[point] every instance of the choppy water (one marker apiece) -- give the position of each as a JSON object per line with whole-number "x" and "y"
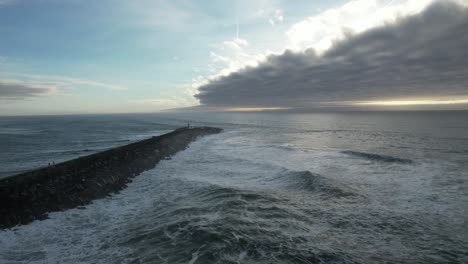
{"x": 273, "y": 188}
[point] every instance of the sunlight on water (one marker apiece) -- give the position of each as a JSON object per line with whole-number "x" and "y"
{"x": 414, "y": 102}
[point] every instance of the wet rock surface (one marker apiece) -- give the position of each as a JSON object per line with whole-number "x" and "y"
{"x": 30, "y": 196}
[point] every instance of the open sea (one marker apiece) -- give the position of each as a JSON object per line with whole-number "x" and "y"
{"x": 362, "y": 187}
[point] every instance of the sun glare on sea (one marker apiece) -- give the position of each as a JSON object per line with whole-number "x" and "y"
{"x": 413, "y": 102}
{"x": 254, "y": 109}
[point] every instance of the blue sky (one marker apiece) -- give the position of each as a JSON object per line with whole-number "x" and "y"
{"x": 151, "y": 48}
{"x": 141, "y": 56}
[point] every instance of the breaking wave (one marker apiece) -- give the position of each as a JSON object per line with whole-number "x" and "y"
{"x": 228, "y": 225}
{"x": 316, "y": 183}
{"x": 377, "y": 157}
{"x": 271, "y": 194}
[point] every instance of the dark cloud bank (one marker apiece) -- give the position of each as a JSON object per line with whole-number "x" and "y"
{"x": 17, "y": 91}
{"x": 425, "y": 55}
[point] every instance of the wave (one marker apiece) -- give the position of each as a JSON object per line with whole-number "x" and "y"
{"x": 227, "y": 225}
{"x": 316, "y": 183}
{"x": 19, "y": 131}
{"x": 330, "y": 130}
{"x": 377, "y": 157}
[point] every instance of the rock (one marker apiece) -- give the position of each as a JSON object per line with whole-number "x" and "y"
{"x": 30, "y": 196}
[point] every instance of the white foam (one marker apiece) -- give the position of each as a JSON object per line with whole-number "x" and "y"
{"x": 237, "y": 159}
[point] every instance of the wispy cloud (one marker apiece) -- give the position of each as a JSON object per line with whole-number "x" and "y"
{"x": 17, "y": 90}
{"x": 152, "y": 104}
{"x": 173, "y": 16}
{"x": 236, "y": 44}
{"x": 156, "y": 102}
{"x": 18, "y": 86}
{"x": 277, "y": 17}
{"x": 61, "y": 81}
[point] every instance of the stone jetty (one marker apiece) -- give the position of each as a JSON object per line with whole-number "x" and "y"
{"x": 31, "y": 195}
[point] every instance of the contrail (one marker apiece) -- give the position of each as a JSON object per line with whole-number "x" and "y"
{"x": 237, "y": 27}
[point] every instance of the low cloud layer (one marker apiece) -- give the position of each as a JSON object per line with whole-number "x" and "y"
{"x": 422, "y": 56}
{"x": 31, "y": 86}
{"x": 14, "y": 90}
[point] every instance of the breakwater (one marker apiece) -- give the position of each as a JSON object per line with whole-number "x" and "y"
{"x": 31, "y": 195}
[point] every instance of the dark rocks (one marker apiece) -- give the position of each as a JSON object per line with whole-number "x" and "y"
{"x": 29, "y": 196}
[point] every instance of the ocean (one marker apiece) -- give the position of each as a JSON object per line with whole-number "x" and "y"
{"x": 359, "y": 187}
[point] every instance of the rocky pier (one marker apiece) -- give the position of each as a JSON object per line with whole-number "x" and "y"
{"x": 31, "y": 195}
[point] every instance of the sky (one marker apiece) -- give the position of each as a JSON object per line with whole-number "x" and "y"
{"x": 114, "y": 56}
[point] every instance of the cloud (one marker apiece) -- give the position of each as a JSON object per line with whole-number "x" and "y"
{"x": 236, "y": 43}
{"x": 63, "y": 81}
{"x": 230, "y": 57}
{"x": 18, "y": 86}
{"x": 320, "y": 31}
{"x": 423, "y": 55}
{"x": 15, "y": 90}
{"x": 276, "y": 17}
{"x": 157, "y": 102}
{"x": 171, "y": 16}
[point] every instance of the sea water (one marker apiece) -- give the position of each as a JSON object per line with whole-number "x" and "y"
{"x": 356, "y": 187}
